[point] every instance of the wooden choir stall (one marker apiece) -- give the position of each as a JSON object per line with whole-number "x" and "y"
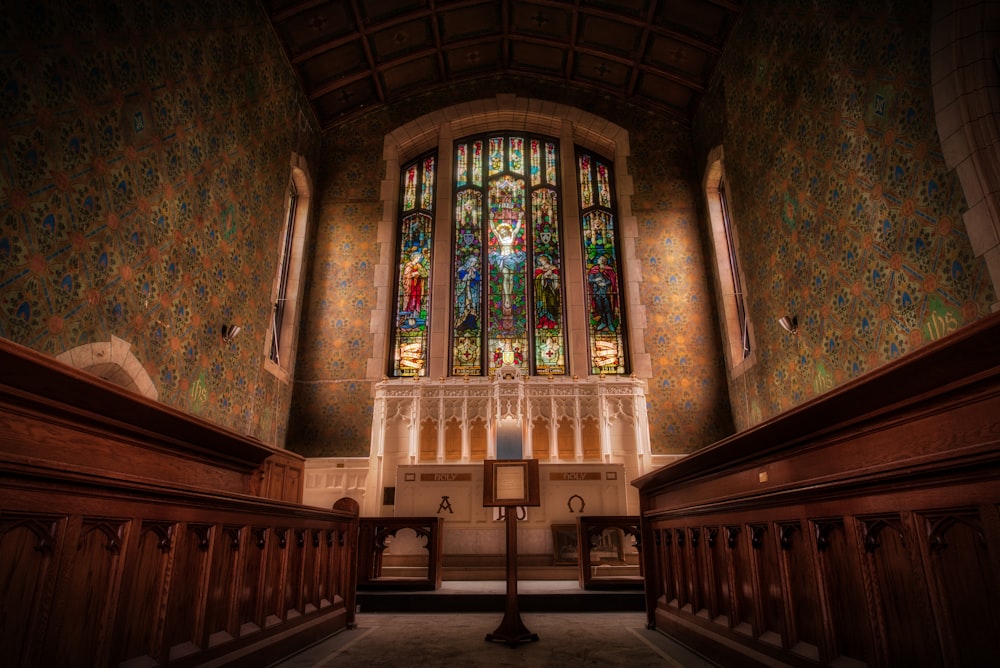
{"x": 132, "y": 534}
{"x": 860, "y": 528}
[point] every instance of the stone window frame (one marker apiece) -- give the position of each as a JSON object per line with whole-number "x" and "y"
{"x": 294, "y": 278}
{"x": 725, "y": 245}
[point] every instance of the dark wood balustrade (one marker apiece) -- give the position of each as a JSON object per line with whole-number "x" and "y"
{"x": 861, "y": 528}
{"x": 134, "y": 535}
{"x": 375, "y": 536}
{"x": 611, "y": 535}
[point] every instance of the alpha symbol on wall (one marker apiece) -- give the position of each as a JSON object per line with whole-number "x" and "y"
{"x": 445, "y": 505}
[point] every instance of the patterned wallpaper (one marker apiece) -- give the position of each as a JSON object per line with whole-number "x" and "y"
{"x": 847, "y": 215}
{"x": 144, "y": 154}
{"x": 331, "y": 411}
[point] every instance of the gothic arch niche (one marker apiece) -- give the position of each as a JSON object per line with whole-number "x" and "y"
{"x": 113, "y": 361}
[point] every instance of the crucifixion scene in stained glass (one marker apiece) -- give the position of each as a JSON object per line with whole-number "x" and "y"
{"x": 507, "y": 257}
{"x": 507, "y": 261}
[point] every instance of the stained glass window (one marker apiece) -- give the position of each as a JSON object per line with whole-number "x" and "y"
{"x": 468, "y": 282}
{"x": 477, "y": 163}
{"x": 507, "y": 259}
{"x": 461, "y": 165}
{"x": 508, "y": 264}
{"x": 507, "y": 254}
{"x": 410, "y": 336}
{"x": 410, "y": 188}
{"x": 550, "y": 163}
{"x": 536, "y": 162}
{"x": 602, "y": 264}
{"x": 427, "y": 185}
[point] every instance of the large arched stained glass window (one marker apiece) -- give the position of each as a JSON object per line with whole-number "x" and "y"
{"x": 507, "y": 257}
{"x": 410, "y": 340}
{"x": 606, "y": 327}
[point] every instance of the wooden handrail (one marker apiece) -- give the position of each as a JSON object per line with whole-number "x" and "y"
{"x": 859, "y": 527}
{"x": 132, "y": 534}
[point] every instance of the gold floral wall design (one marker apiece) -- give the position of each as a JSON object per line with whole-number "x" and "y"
{"x": 846, "y": 212}
{"x": 144, "y": 152}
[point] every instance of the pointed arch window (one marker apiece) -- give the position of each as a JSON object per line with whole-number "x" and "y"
{"x": 602, "y": 257}
{"x": 410, "y": 331}
{"x": 507, "y": 261}
{"x": 288, "y": 286}
{"x": 737, "y": 325}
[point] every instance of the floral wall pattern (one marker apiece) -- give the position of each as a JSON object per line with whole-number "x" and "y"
{"x": 846, "y": 212}
{"x": 144, "y": 155}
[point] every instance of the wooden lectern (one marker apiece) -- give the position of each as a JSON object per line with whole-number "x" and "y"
{"x": 510, "y": 483}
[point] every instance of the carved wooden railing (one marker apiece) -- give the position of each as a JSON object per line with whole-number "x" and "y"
{"x": 111, "y": 575}
{"x": 375, "y": 536}
{"x": 132, "y": 534}
{"x": 861, "y": 528}
{"x": 614, "y": 533}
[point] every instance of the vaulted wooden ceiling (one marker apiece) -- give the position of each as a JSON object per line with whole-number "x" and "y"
{"x": 351, "y": 55}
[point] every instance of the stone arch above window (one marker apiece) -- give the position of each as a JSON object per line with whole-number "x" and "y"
{"x": 113, "y": 361}
{"x": 437, "y": 130}
{"x": 965, "y": 75}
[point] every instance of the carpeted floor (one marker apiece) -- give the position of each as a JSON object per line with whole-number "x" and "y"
{"x": 459, "y": 639}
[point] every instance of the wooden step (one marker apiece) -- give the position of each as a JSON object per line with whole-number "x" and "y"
{"x": 490, "y": 596}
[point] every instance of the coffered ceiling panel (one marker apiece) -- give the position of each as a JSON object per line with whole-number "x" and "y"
{"x": 471, "y": 59}
{"x": 397, "y": 41}
{"x": 351, "y": 55}
{"x": 538, "y": 57}
{"x": 546, "y": 21}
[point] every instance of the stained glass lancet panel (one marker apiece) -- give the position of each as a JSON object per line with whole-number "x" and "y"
{"x": 507, "y": 244}
{"x": 496, "y": 155}
{"x": 477, "y": 163}
{"x": 536, "y": 162}
{"x": 606, "y": 331}
{"x": 550, "y": 163}
{"x": 410, "y": 188}
{"x": 517, "y": 155}
{"x": 427, "y": 181}
{"x": 467, "y": 357}
{"x": 586, "y": 176}
{"x": 549, "y": 332}
{"x": 461, "y": 165}
{"x": 410, "y": 332}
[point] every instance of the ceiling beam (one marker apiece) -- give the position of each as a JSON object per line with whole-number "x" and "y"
{"x": 369, "y": 56}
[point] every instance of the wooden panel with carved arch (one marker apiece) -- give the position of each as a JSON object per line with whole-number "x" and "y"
{"x": 85, "y": 604}
{"x": 28, "y": 558}
{"x": 963, "y": 577}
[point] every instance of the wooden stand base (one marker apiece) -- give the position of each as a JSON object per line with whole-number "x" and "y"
{"x": 511, "y": 630}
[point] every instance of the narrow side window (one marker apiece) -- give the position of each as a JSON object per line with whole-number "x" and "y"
{"x": 736, "y": 325}
{"x": 286, "y": 292}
